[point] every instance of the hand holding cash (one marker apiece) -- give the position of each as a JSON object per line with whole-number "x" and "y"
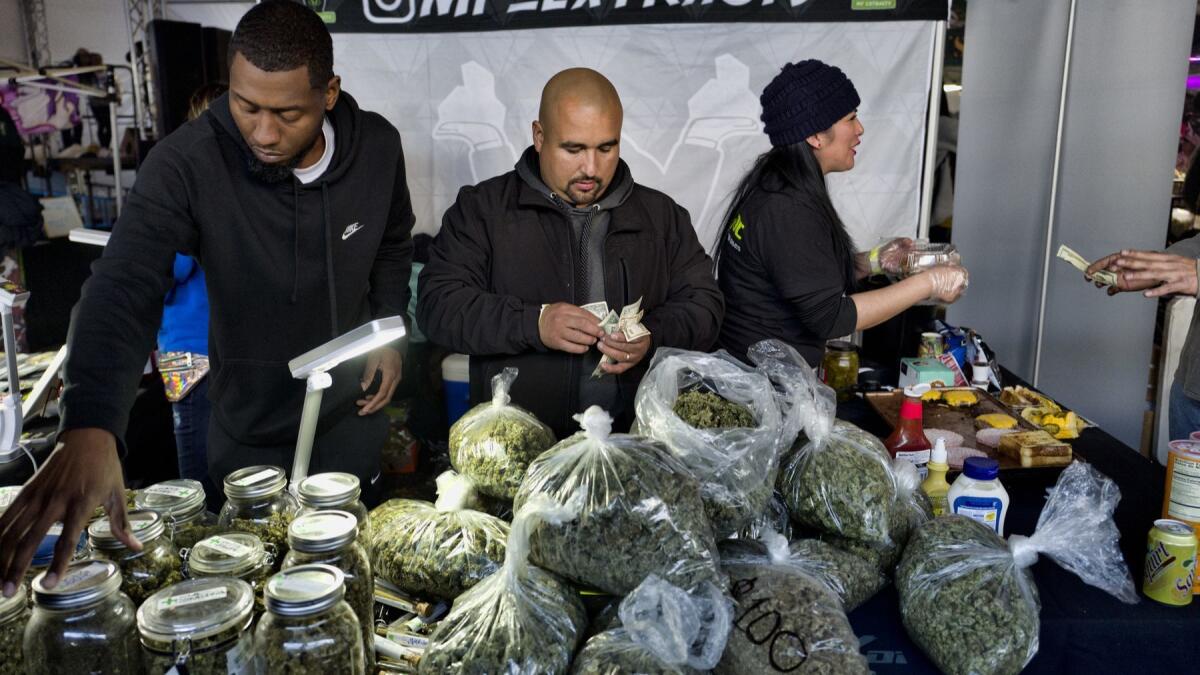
{"x": 628, "y": 323}
{"x": 1103, "y": 277}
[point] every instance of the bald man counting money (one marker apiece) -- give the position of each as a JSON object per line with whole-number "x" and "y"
{"x": 521, "y": 255}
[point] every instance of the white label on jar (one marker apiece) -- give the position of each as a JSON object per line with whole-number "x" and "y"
{"x": 227, "y": 546}
{"x": 918, "y": 458}
{"x": 1184, "y": 500}
{"x": 256, "y": 477}
{"x": 193, "y": 598}
{"x": 326, "y": 484}
{"x": 238, "y": 660}
{"x": 170, "y": 491}
{"x": 409, "y": 640}
{"x": 85, "y": 573}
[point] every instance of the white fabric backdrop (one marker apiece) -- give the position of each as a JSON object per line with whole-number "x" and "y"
{"x": 463, "y": 103}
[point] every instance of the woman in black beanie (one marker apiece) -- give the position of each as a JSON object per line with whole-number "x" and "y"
{"x": 785, "y": 262}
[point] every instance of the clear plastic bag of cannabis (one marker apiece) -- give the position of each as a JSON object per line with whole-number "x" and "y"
{"x": 786, "y": 619}
{"x": 721, "y": 419}
{"x": 957, "y": 571}
{"x": 640, "y": 511}
{"x": 663, "y": 629}
{"x": 437, "y": 549}
{"x": 911, "y": 509}
{"x": 521, "y": 619}
{"x": 494, "y": 442}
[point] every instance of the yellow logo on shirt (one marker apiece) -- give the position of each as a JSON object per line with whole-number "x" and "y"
{"x": 737, "y": 227}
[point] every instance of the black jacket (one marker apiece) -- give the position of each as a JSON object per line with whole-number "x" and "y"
{"x": 285, "y": 272}
{"x": 504, "y": 250}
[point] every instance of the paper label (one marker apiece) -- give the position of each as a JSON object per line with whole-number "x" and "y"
{"x": 919, "y": 459}
{"x": 193, "y": 598}
{"x": 1184, "y": 500}
{"x": 239, "y": 659}
{"x": 984, "y": 509}
{"x": 227, "y": 546}
{"x": 7, "y": 495}
{"x": 409, "y": 640}
{"x": 255, "y": 477}
{"x": 170, "y": 491}
{"x": 83, "y": 574}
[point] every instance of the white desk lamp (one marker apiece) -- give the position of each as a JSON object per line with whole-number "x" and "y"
{"x": 314, "y": 366}
{"x": 11, "y": 416}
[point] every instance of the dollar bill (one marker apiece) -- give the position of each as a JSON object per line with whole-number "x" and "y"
{"x": 628, "y": 322}
{"x": 599, "y": 309}
{"x": 1106, "y": 277}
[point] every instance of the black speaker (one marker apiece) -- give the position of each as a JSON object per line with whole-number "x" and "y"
{"x": 176, "y": 70}
{"x": 216, "y": 49}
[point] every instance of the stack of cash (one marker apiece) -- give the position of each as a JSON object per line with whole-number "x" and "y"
{"x": 1106, "y": 277}
{"x": 628, "y": 322}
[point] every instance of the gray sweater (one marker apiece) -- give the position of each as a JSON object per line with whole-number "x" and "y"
{"x": 1188, "y": 373}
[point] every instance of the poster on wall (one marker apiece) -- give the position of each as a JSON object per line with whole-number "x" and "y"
{"x": 464, "y": 101}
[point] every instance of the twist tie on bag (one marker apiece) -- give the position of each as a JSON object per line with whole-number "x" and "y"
{"x": 455, "y": 492}
{"x": 777, "y": 547}
{"x": 678, "y": 628}
{"x": 596, "y": 423}
{"x": 1024, "y": 551}
{"x": 501, "y": 383}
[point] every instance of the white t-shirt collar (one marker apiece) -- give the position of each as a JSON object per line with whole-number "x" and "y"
{"x": 315, "y": 171}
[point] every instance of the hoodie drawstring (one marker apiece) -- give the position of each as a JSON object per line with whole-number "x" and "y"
{"x": 295, "y": 239}
{"x": 333, "y": 308}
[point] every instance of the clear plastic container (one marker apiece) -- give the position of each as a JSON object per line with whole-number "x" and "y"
{"x": 146, "y": 571}
{"x": 329, "y": 537}
{"x": 335, "y": 491}
{"x": 308, "y": 627}
{"x": 14, "y": 614}
{"x": 201, "y": 625}
{"x": 978, "y": 494}
{"x": 85, "y": 624}
{"x": 257, "y": 503}
{"x": 181, "y": 503}
{"x": 236, "y": 554}
{"x": 925, "y": 254}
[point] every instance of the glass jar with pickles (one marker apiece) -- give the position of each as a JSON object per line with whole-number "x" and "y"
{"x": 85, "y": 624}
{"x": 308, "y": 627}
{"x": 257, "y": 503}
{"x": 235, "y": 554}
{"x": 181, "y": 503}
{"x": 839, "y": 368}
{"x": 200, "y": 627}
{"x": 146, "y": 571}
{"x": 14, "y": 614}
{"x": 329, "y": 537}
{"x": 338, "y": 492}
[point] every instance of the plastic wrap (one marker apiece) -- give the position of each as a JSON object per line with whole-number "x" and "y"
{"x": 494, "y": 442}
{"x": 774, "y": 518}
{"x": 519, "y": 620}
{"x": 968, "y": 598}
{"x": 910, "y": 510}
{"x": 735, "y": 464}
{"x": 437, "y": 549}
{"x": 786, "y": 620}
{"x": 640, "y": 511}
{"x": 663, "y": 629}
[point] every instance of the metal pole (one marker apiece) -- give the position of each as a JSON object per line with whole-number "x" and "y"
{"x": 115, "y": 144}
{"x": 1053, "y": 217}
{"x": 139, "y": 114}
{"x": 314, "y": 390}
{"x": 931, "y": 128}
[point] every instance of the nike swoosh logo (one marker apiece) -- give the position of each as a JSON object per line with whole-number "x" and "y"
{"x": 350, "y": 230}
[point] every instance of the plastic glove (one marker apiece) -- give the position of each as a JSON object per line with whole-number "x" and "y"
{"x": 946, "y": 282}
{"x": 889, "y": 256}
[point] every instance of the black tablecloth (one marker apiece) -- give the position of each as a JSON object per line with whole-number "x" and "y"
{"x": 1083, "y": 629}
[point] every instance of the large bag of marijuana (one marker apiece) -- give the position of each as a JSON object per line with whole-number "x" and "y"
{"x": 911, "y": 509}
{"x": 662, "y": 629}
{"x": 519, "y": 620}
{"x": 494, "y": 442}
{"x": 957, "y": 570}
{"x": 437, "y": 549}
{"x": 640, "y": 511}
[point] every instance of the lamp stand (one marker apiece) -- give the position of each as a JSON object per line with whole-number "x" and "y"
{"x": 11, "y": 419}
{"x": 314, "y": 390}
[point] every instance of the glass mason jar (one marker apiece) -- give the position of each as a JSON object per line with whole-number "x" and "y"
{"x": 14, "y": 614}
{"x": 85, "y": 624}
{"x": 200, "y": 625}
{"x": 335, "y": 491}
{"x": 237, "y": 555}
{"x": 156, "y": 566}
{"x": 839, "y": 368}
{"x": 308, "y": 627}
{"x": 329, "y": 537}
{"x": 257, "y": 503}
{"x": 181, "y": 503}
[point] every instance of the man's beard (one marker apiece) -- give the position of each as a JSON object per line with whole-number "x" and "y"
{"x": 278, "y": 172}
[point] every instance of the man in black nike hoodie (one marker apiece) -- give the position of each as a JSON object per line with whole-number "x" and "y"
{"x": 295, "y": 202}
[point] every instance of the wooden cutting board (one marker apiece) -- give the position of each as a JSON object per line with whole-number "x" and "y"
{"x": 959, "y": 420}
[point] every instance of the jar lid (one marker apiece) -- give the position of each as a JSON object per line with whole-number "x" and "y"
{"x": 195, "y": 609}
{"x": 305, "y": 590}
{"x": 233, "y": 554}
{"x": 329, "y": 490}
{"x": 172, "y": 498}
{"x": 84, "y": 583}
{"x": 981, "y": 468}
{"x": 145, "y": 524}
{"x": 840, "y": 346}
{"x": 10, "y": 607}
{"x": 322, "y": 531}
{"x": 255, "y": 481}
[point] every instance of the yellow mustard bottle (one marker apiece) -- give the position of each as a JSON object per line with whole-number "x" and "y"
{"x": 935, "y": 485}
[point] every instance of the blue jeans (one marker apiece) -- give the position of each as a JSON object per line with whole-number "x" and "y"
{"x": 191, "y": 432}
{"x": 1184, "y": 415}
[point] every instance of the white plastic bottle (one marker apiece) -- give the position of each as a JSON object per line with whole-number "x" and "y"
{"x": 977, "y": 493}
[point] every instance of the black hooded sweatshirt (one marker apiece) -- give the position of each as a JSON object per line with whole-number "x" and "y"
{"x": 289, "y": 266}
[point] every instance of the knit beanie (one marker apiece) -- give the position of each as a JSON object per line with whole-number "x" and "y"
{"x": 805, "y": 98}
